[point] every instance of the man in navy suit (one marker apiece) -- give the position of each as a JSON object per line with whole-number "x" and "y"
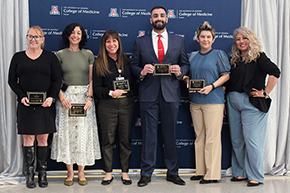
{"x": 159, "y": 95}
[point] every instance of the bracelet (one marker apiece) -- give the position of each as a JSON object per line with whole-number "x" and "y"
{"x": 213, "y": 87}
{"x": 90, "y": 96}
{"x": 185, "y": 77}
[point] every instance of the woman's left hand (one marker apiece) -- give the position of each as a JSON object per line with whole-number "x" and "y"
{"x": 47, "y": 102}
{"x": 205, "y": 90}
{"x": 88, "y": 103}
{"x": 257, "y": 93}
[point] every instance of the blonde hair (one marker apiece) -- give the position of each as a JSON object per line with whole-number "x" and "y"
{"x": 205, "y": 27}
{"x": 39, "y": 31}
{"x": 253, "y": 51}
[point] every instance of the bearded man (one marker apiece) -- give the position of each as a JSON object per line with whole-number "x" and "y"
{"x": 159, "y": 92}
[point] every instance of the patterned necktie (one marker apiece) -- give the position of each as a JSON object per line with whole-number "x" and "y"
{"x": 160, "y": 49}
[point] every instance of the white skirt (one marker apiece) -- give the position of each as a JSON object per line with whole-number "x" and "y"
{"x": 76, "y": 140}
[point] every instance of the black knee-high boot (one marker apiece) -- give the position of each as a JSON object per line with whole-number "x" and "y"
{"x": 29, "y": 157}
{"x": 42, "y": 154}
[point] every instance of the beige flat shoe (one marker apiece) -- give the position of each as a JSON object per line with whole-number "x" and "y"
{"x": 83, "y": 182}
{"x": 68, "y": 182}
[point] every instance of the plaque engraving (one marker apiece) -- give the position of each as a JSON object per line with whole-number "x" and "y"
{"x": 36, "y": 98}
{"x": 77, "y": 110}
{"x": 161, "y": 69}
{"x": 121, "y": 85}
{"x": 196, "y": 84}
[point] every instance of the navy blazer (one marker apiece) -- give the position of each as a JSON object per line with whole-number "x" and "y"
{"x": 150, "y": 86}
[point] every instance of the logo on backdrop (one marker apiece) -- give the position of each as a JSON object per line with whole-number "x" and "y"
{"x": 138, "y": 122}
{"x": 218, "y": 35}
{"x": 54, "y": 10}
{"x": 87, "y": 33}
{"x": 141, "y": 33}
{"x": 113, "y": 12}
{"x": 96, "y": 34}
{"x": 171, "y": 14}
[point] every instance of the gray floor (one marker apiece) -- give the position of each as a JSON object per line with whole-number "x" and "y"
{"x": 273, "y": 184}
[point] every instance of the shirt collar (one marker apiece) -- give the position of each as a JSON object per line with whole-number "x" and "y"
{"x": 164, "y": 34}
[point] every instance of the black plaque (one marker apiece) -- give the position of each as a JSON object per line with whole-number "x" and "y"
{"x": 36, "y": 98}
{"x": 121, "y": 85}
{"x": 77, "y": 110}
{"x": 161, "y": 69}
{"x": 196, "y": 84}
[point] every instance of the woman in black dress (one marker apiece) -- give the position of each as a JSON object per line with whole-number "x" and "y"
{"x": 35, "y": 70}
{"x": 115, "y": 107}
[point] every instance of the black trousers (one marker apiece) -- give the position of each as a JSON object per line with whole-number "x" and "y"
{"x": 116, "y": 118}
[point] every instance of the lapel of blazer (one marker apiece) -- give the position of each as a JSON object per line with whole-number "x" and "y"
{"x": 170, "y": 39}
{"x": 149, "y": 43}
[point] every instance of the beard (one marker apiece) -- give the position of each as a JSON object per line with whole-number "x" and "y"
{"x": 158, "y": 26}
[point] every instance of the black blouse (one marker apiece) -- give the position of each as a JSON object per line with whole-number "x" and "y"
{"x": 102, "y": 85}
{"x": 246, "y": 76}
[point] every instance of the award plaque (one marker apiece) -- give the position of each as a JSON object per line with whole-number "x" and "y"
{"x": 161, "y": 69}
{"x": 196, "y": 84}
{"x": 77, "y": 110}
{"x": 36, "y": 98}
{"x": 121, "y": 85}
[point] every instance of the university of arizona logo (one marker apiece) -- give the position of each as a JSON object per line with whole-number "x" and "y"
{"x": 113, "y": 12}
{"x": 195, "y": 35}
{"x": 141, "y": 33}
{"x": 171, "y": 14}
{"x": 138, "y": 122}
{"x": 54, "y": 10}
{"x": 87, "y": 33}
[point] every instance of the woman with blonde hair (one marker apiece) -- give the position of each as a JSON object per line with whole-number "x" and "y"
{"x": 35, "y": 72}
{"x": 248, "y": 104}
{"x": 207, "y": 104}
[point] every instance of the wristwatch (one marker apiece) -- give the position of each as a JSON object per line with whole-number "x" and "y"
{"x": 90, "y": 96}
{"x": 265, "y": 94}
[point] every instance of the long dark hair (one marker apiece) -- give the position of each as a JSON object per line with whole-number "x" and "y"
{"x": 68, "y": 31}
{"x": 101, "y": 62}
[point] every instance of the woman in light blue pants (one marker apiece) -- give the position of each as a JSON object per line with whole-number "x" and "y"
{"x": 248, "y": 105}
{"x": 248, "y": 132}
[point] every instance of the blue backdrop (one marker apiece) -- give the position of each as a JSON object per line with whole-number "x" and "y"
{"x": 131, "y": 19}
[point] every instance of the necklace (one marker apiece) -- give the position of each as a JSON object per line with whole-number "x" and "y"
{"x": 119, "y": 69}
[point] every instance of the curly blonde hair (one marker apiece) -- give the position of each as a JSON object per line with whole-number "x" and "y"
{"x": 253, "y": 51}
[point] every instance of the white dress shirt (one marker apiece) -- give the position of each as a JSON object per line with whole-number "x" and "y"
{"x": 164, "y": 40}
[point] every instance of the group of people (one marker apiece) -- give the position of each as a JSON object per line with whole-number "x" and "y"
{"x": 74, "y": 77}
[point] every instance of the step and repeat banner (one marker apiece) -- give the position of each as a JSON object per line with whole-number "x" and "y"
{"x": 131, "y": 19}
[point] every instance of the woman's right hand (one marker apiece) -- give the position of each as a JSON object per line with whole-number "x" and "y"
{"x": 25, "y": 101}
{"x": 65, "y": 103}
{"x": 117, "y": 93}
{"x": 186, "y": 80}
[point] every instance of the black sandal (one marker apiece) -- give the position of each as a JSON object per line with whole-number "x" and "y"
{"x": 126, "y": 182}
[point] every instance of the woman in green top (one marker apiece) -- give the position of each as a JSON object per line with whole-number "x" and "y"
{"x": 76, "y": 140}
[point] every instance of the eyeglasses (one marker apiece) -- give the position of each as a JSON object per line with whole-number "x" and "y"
{"x": 30, "y": 37}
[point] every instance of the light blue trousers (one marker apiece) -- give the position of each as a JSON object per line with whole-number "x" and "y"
{"x": 248, "y": 127}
